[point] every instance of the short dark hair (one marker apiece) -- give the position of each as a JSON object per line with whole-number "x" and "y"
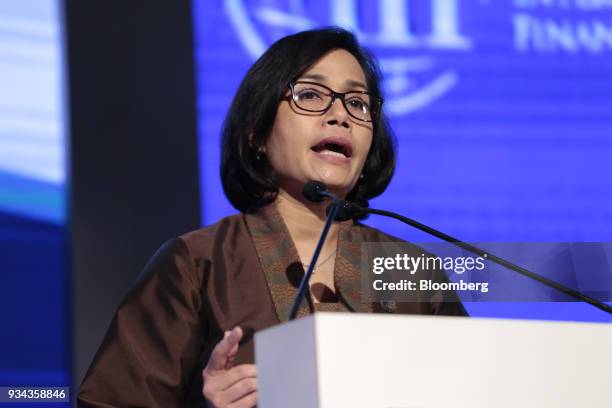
{"x": 249, "y": 181}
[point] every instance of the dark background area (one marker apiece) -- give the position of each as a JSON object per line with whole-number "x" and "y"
{"x": 133, "y": 159}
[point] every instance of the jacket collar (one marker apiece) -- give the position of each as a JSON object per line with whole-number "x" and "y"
{"x": 283, "y": 270}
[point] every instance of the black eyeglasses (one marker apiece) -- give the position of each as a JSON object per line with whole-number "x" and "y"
{"x": 314, "y": 97}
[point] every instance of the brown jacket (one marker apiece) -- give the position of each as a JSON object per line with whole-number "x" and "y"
{"x": 243, "y": 271}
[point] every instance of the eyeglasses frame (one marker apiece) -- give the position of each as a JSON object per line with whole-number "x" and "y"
{"x": 339, "y": 95}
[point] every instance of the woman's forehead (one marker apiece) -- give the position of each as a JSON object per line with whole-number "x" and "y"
{"x": 350, "y": 83}
{"x": 338, "y": 67}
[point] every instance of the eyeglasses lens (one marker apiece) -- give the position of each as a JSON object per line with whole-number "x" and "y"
{"x": 316, "y": 98}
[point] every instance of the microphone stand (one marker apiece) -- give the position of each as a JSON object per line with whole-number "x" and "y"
{"x": 331, "y": 216}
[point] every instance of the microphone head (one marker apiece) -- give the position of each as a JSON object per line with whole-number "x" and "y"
{"x": 346, "y": 210}
{"x": 313, "y": 191}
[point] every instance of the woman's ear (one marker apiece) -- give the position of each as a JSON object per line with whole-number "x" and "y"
{"x": 251, "y": 139}
{"x": 260, "y": 149}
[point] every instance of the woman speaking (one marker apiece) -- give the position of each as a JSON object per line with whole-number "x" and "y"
{"x": 309, "y": 109}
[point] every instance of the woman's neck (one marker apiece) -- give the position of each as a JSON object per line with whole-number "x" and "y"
{"x": 304, "y": 220}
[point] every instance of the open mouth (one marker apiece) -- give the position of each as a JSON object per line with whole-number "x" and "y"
{"x": 333, "y": 147}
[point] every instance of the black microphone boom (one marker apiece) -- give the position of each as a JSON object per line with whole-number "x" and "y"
{"x": 314, "y": 191}
{"x": 346, "y": 210}
{"x": 352, "y": 210}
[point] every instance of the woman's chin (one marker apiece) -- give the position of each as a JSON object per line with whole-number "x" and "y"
{"x": 339, "y": 187}
{"x": 334, "y": 177}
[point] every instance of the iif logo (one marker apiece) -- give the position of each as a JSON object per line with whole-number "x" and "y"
{"x": 414, "y": 79}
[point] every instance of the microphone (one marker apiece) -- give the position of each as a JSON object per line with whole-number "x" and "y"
{"x": 348, "y": 209}
{"x": 314, "y": 191}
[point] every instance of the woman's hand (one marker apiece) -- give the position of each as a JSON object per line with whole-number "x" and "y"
{"x": 226, "y": 386}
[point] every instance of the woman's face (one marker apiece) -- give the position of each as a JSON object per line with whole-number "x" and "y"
{"x": 303, "y": 145}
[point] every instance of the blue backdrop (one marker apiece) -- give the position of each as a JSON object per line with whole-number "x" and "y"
{"x": 34, "y": 284}
{"x": 502, "y": 110}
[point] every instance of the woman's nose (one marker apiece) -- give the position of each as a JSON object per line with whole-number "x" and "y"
{"x": 337, "y": 114}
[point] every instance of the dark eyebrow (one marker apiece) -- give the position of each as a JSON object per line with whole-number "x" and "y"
{"x": 351, "y": 83}
{"x": 356, "y": 84}
{"x": 316, "y": 77}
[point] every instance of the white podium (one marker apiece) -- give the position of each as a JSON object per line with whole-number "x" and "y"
{"x": 337, "y": 360}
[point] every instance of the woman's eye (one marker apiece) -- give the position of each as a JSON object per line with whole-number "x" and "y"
{"x": 308, "y": 94}
{"x": 358, "y": 103}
